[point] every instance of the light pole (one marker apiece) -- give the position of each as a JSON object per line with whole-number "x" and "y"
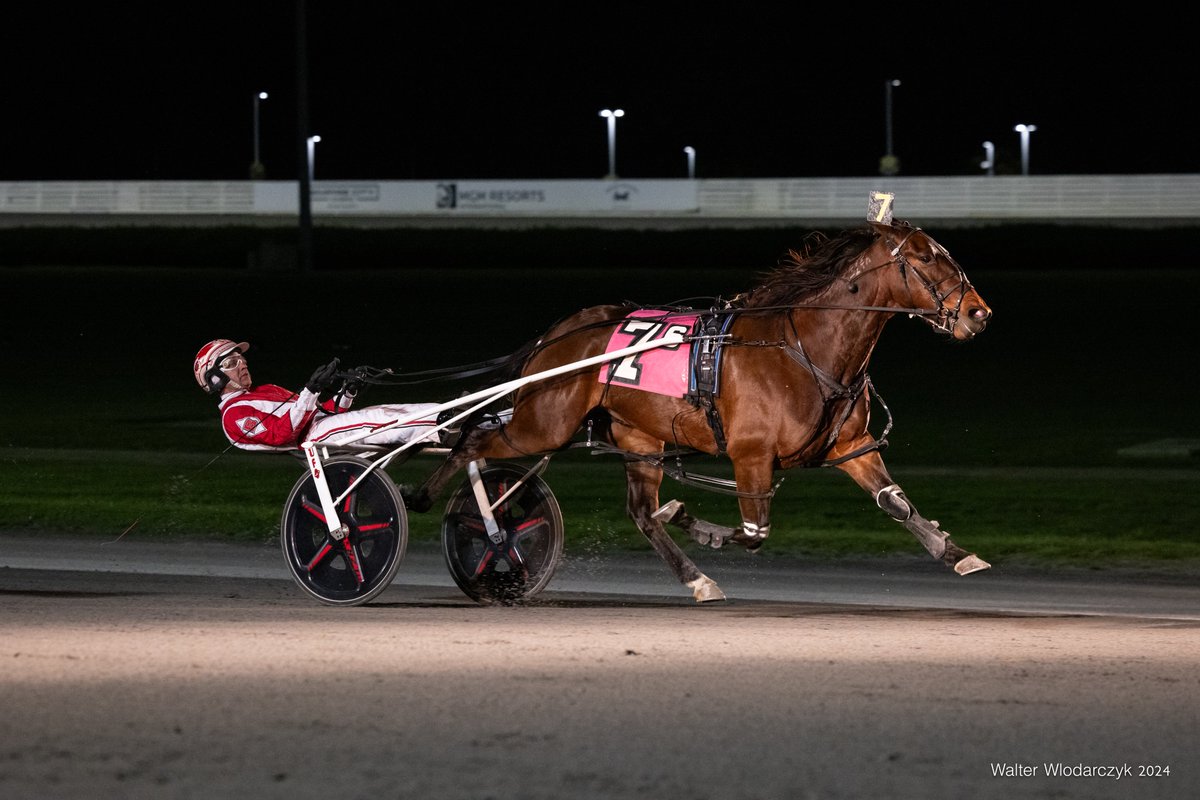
{"x": 257, "y": 171}
{"x": 611, "y": 115}
{"x": 989, "y": 158}
{"x": 889, "y": 164}
{"x": 312, "y": 149}
{"x": 1025, "y": 130}
{"x": 691, "y": 161}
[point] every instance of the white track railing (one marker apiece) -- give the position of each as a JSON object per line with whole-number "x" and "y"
{"x": 1169, "y": 198}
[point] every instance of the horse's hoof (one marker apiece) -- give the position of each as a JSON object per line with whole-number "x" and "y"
{"x": 971, "y": 563}
{"x": 705, "y": 590}
{"x": 667, "y": 512}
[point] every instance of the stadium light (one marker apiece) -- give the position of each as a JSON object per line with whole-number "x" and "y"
{"x": 256, "y": 168}
{"x": 1025, "y": 130}
{"x": 611, "y": 115}
{"x": 691, "y": 161}
{"x": 312, "y": 151}
{"x": 989, "y": 158}
{"x": 889, "y": 164}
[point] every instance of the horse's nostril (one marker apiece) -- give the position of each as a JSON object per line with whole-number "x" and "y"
{"x": 980, "y": 314}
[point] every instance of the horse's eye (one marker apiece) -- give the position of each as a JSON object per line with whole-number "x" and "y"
{"x": 925, "y": 258}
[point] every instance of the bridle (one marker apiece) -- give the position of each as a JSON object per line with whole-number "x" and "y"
{"x": 946, "y": 317}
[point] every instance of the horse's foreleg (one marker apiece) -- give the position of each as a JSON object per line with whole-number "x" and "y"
{"x": 869, "y": 472}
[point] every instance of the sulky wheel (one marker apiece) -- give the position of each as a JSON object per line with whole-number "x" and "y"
{"x": 355, "y": 569}
{"x": 521, "y": 565}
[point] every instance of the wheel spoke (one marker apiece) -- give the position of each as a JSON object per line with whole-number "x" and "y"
{"x": 501, "y": 488}
{"x": 312, "y": 508}
{"x": 525, "y": 527}
{"x": 325, "y": 550}
{"x": 352, "y": 559}
{"x": 375, "y": 529}
{"x": 464, "y": 520}
{"x": 483, "y": 562}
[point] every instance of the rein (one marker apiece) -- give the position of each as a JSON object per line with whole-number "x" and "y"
{"x": 832, "y": 390}
{"x": 937, "y": 319}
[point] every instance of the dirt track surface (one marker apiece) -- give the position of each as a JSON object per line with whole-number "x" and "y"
{"x": 225, "y": 680}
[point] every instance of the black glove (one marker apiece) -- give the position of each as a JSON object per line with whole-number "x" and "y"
{"x": 322, "y": 379}
{"x": 353, "y": 384}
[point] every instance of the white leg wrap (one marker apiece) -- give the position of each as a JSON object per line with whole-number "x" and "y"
{"x": 755, "y": 532}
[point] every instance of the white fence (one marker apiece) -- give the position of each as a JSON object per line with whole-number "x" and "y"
{"x": 1171, "y": 199}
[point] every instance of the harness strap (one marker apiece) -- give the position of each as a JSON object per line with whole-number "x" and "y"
{"x": 705, "y": 371}
{"x": 797, "y": 354}
{"x": 839, "y": 391}
{"x": 833, "y": 390}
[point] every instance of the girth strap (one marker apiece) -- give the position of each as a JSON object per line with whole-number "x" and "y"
{"x": 704, "y": 376}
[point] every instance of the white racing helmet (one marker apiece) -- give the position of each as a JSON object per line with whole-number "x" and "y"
{"x": 207, "y": 367}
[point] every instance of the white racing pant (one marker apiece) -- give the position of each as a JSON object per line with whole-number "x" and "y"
{"x": 416, "y": 419}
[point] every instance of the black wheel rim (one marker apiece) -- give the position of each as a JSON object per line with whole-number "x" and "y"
{"x": 524, "y": 562}
{"x": 357, "y": 567}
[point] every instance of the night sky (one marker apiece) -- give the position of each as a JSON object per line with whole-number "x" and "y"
{"x": 399, "y": 91}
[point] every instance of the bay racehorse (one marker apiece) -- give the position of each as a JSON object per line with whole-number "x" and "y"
{"x": 793, "y": 389}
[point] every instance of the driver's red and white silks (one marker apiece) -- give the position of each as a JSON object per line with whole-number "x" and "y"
{"x": 268, "y": 417}
{"x": 272, "y": 418}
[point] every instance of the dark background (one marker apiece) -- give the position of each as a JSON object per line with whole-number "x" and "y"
{"x": 552, "y": 250}
{"x": 403, "y": 91}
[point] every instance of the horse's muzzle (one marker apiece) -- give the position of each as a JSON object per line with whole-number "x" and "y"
{"x": 972, "y": 318}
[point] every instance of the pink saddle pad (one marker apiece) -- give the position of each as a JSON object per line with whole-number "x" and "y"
{"x": 662, "y": 370}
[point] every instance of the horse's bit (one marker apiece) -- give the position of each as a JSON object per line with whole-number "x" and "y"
{"x": 946, "y": 318}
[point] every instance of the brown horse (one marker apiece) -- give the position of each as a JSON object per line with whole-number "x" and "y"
{"x": 794, "y": 390}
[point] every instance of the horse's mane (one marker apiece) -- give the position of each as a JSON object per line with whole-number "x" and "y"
{"x": 803, "y": 272}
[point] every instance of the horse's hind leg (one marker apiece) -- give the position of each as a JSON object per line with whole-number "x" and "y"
{"x": 754, "y": 480}
{"x": 643, "y": 480}
{"x": 673, "y": 512}
{"x": 869, "y": 472}
{"x": 470, "y": 447}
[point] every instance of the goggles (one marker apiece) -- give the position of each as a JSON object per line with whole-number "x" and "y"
{"x": 232, "y": 360}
